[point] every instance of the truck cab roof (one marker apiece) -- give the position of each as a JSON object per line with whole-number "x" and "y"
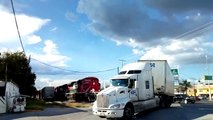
{"x": 126, "y": 76}
{"x": 133, "y": 66}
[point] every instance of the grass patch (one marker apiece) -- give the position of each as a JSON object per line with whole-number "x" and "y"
{"x": 35, "y": 104}
{"x": 78, "y": 104}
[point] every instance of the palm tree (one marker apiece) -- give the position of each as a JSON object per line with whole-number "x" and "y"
{"x": 185, "y": 85}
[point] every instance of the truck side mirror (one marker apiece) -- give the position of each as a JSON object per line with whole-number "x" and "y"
{"x": 131, "y": 83}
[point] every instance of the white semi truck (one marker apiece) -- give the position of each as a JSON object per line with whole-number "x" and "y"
{"x": 139, "y": 86}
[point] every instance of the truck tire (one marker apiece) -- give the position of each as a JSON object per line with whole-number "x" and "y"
{"x": 128, "y": 112}
{"x": 169, "y": 101}
{"x": 163, "y": 102}
{"x": 111, "y": 119}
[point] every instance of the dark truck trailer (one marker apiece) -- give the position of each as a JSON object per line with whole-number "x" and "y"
{"x": 48, "y": 93}
{"x": 84, "y": 89}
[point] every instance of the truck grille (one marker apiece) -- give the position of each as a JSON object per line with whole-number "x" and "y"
{"x": 102, "y": 101}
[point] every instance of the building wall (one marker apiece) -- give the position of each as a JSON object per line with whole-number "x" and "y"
{"x": 204, "y": 89}
{"x": 201, "y": 90}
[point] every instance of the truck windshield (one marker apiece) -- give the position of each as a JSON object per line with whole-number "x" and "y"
{"x": 122, "y": 72}
{"x": 120, "y": 82}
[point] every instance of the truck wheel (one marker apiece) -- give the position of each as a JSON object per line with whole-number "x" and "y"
{"x": 162, "y": 102}
{"x": 169, "y": 101}
{"x": 111, "y": 119}
{"x": 128, "y": 112}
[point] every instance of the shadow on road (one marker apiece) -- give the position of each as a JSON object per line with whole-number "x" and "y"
{"x": 200, "y": 110}
{"x": 53, "y": 111}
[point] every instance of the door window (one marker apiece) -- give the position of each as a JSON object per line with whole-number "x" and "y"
{"x": 147, "y": 84}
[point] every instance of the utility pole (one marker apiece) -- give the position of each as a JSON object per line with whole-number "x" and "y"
{"x": 6, "y": 72}
{"x": 6, "y": 86}
{"x": 122, "y": 62}
{"x": 207, "y": 68}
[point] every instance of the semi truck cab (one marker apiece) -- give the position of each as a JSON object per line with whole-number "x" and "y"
{"x": 132, "y": 91}
{"x": 127, "y": 90}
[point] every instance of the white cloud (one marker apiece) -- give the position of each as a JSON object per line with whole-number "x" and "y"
{"x": 50, "y": 47}
{"x": 156, "y": 54}
{"x": 44, "y": 81}
{"x": 133, "y": 43}
{"x": 137, "y": 51}
{"x": 152, "y": 34}
{"x": 52, "y": 59}
{"x": 178, "y": 45}
{"x": 33, "y": 39}
{"x": 28, "y": 25}
{"x": 50, "y": 56}
{"x": 179, "y": 52}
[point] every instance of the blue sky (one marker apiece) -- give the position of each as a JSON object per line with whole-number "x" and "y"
{"x": 79, "y": 38}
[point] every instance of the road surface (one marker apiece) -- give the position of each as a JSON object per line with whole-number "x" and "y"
{"x": 197, "y": 111}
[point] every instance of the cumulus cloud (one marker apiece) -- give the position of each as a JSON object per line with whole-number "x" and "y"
{"x": 154, "y": 27}
{"x": 181, "y": 6}
{"x": 28, "y": 26}
{"x": 50, "y": 47}
{"x": 33, "y": 39}
{"x": 179, "y": 52}
{"x": 50, "y": 61}
{"x": 44, "y": 81}
{"x": 134, "y": 20}
{"x": 9, "y": 35}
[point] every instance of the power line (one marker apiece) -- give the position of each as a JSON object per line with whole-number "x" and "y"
{"x": 198, "y": 30}
{"x": 74, "y": 71}
{"x": 20, "y": 40}
{"x": 53, "y": 66}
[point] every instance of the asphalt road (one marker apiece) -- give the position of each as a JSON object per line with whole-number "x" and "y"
{"x": 197, "y": 111}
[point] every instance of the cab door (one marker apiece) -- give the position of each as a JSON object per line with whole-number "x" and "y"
{"x": 149, "y": 93}
{"x": 133, "y": 92}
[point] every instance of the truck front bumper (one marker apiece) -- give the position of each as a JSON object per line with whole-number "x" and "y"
{"x": 109, "y": 113}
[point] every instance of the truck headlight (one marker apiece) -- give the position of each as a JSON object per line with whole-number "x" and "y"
{"x": 115, "y": 106}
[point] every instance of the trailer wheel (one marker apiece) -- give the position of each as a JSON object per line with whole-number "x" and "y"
{"x": 169, "y": 101}
{"x": 128, "y": 112}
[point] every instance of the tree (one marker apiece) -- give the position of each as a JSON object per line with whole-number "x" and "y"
{"x": 16, "y": 67}
{"x": 185, "y": 85}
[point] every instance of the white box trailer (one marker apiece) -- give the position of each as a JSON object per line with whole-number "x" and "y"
{"x": 139, "y": 86}
{"x": 10, "y": 98}
{"x": 162, "y": 76}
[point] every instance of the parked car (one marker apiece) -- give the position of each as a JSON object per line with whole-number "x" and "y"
{"x": 184, "y": 98}
{"x": 189, "y": 99}
{"x": 179, "y": 98}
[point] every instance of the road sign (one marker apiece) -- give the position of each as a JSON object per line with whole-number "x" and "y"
{"x": 207, "y": 77}
{"x": 174, "y": 71}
